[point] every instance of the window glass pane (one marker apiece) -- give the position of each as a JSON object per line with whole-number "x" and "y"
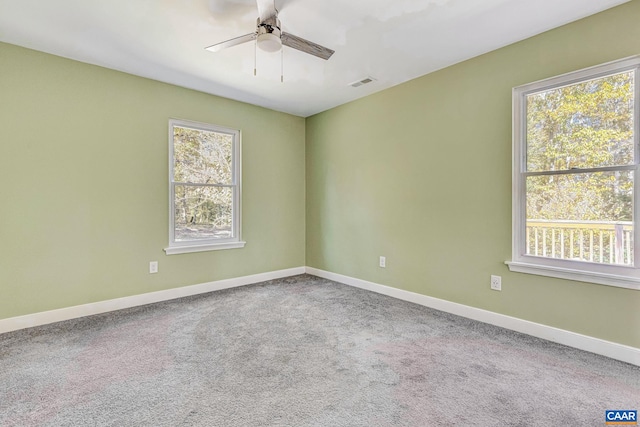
{"x": 202, "y": 157}
{"x": 582, "y": 216}
{"x": 203, "y": 213}
{"x": 584, "y": 125}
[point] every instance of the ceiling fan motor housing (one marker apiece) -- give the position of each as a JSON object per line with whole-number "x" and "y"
{"x": 269, "y": 35}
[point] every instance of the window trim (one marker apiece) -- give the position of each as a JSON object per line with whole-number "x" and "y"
{"x": 604, "y": 274}
{"x": 191, "y": 246}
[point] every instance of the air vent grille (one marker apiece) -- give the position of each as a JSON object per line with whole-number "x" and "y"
{"x": 362, "y": 82}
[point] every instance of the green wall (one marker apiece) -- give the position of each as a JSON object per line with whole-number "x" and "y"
{"x": 84, "y": 193}
{"x": 421, "y": 173}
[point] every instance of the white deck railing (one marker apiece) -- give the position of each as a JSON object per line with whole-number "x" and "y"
{"x": 607, "y": 242}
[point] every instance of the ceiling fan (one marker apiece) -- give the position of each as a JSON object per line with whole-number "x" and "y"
{"x": 269, "y": 36}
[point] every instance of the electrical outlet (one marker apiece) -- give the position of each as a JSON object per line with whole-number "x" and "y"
{"x": 153, "y": 267}
{"x": 383, "y": 262}
{"x": 496, "y": 283}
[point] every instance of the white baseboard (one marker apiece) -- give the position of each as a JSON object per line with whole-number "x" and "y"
{"x": 583, "y": 342}
{"x": 46, "y": 317}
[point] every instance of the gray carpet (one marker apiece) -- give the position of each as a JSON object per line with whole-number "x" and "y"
{"x": 300, "y": 351}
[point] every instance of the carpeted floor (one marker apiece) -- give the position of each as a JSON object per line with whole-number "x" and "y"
{"x": 300, "y": 351}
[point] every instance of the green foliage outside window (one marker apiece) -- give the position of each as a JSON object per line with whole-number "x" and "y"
{"x": 204, "y": 184}
{"x": 572, "y": 133}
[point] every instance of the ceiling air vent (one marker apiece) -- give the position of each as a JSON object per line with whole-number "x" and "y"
{"x": 362, "y": 82}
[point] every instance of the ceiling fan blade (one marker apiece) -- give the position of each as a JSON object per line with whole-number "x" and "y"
{"x": 266, "y": 9}
{"x": 232, "y": 42}
{"x": 306, "y": 46}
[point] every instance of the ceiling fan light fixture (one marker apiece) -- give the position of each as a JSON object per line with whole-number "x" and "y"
{"x": 269, "y": 42}
{"x": 270, "y": 38}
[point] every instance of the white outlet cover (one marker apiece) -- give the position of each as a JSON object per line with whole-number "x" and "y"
{"x": 496, "y": 283}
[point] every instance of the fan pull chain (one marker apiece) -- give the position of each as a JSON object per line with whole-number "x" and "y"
{"x": 255, "y": 58}
{"x": 281, "y": 64}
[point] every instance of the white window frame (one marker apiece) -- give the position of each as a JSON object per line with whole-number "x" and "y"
{"x": 233, "y": 242}
{"x": 604, "y": 274}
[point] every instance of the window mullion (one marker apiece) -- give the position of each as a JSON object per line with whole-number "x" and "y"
{"x": 579, "y": 171}
{"x": 193, "y": 184}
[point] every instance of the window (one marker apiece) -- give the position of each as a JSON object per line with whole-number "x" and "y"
{"x": 575, "y": 172}
{"x": 204, "y": 187}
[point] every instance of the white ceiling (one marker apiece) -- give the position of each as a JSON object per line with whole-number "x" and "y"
{"x": 391, "y": 41}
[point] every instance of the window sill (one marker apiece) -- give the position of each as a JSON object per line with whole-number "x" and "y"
{"x": 619, "y": 281}
{"x": 176, "y": 250}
